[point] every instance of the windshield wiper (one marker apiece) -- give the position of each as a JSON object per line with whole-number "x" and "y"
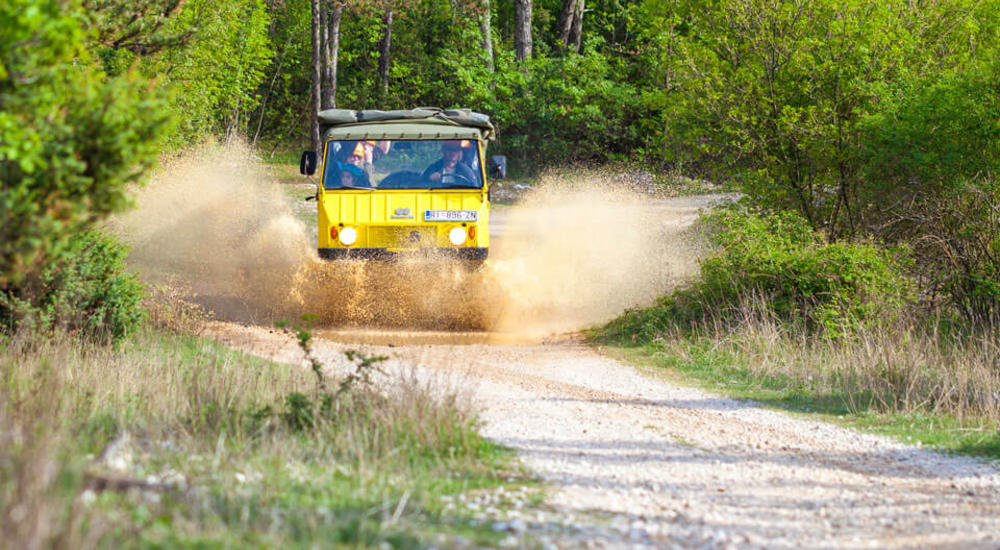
{"x": 350, "y": 187}
{"x": 457, "y": 187}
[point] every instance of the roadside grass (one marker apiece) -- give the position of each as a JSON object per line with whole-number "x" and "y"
{"x": 284, "y": 157}
{"x": 303, "y": 210}
{"x": 295, "y": 187}
{"x": 177, "y": 441}
{"x": 673, "y": 184}
{"x": 283, "y": 170}
{"x": 627, "y": 176}
{"x": 914, "y": 386}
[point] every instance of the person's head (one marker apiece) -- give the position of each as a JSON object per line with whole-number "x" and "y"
{"x": 356, "y": 156}
{"x": 351, "y": 175}
{"x": 346, "y": 178}
{"x": 452, "y": 151}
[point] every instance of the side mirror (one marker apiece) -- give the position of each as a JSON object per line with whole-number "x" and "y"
{"x": 307, "y": 164}
{"x": 498, "y": 167}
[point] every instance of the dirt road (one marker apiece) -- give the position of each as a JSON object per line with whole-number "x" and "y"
{"x": 635, "y": 462}
{"x": 632, "y": 461}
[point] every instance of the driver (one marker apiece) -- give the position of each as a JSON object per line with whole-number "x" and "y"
{"x": 450, "y": 169}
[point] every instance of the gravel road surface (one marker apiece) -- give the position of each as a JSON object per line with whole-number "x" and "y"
{"x": 632, "y": 461}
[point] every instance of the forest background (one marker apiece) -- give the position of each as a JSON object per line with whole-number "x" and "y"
{"x": 869, "y": 122}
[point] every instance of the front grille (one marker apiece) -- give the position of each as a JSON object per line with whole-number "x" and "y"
{"x": 396, "y": 236}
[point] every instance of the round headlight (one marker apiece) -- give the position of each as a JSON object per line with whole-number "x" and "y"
{"x": 456, "y": 235}
{"x": 348, "y": 236}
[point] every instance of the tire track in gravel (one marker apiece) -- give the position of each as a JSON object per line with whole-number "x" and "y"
{"x": 636, "y": 462}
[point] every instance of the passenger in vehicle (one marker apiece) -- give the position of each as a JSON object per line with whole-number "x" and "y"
{"x": 352, "y": 176}
{"x": 350, "y": 169}
{"x": 354, "y": 155}
{"x": 449, "y": 169}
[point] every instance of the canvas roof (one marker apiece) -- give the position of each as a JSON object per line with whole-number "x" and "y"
{"x": 421, "y": 123}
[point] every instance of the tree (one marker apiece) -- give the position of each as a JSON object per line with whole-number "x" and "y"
{"x": 384, "y": 51}
{"x": 522, "y": 29}
{"x": 124, "y": 30}
{"x": 570, "y": 24}
{"x": 283, "y": 113}
{"x": 486, "y": 31}
{"x": 317, "y": 63}
{"x": 331, "y": 53}
{"x": 929, "y": 161}
{"x": 71, "y": 139}
{"x": 214, "y": 76}
{"x": 773, "y": 92}
{"x": 576, "y": 30}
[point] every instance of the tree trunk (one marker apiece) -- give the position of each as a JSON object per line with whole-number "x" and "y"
{"x": 575, "y": 33}
{"x": 384, "y": 48}
{"x": 324, "y": 37}
{"x": 267, "y": 95}
{"x": 331, "y": 50}
{"x": 522, "y": 29}
{"x": 317, "y": 61}
{"x": 487, "y": 33}
{"x": 565, "y": 22}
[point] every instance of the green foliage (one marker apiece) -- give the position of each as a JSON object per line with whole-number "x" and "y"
{"x": 284, "y": 92}
{"x": 777, "y": 265}
{"x": 869, "y": 119}
{"x": 85, "y": 291}
{"x": 575, "y": 108}
{"x": 774, "y": 93}
{"x": 930, "y": 135}
{"x": 214, "y": 76}
{"x": 71, "y": 140}
{"x": 959, "y": 249}
{"x": 584, "y": 107}
{"x": 301, "y": 412}
{"x": 837, "y": 287}
{"x": 931, "y": 156}
{"x": 123, "y": 30}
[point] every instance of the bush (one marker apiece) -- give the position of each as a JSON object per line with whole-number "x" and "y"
{"x": 960, "y": 255}
{"x": 85, "y": 291}
{"x": 779, "y": 262}
{"x": 575, "y": 109}
{"x": 71, "y": 139}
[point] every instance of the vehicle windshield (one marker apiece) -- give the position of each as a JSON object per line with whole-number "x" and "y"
{"x": 402, "y": 164}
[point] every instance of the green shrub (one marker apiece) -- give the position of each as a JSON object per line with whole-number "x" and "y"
{"x": 960, "y": 255}
{"x": 71, "y": 139}
{"x": 577, "y": 108}
{"x": 86, "y": 291}
{"x": 930, "y": 159}
{"x": 777, "y": 265}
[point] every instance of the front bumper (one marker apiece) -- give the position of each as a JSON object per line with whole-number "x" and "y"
{"x": 466, "y": 253}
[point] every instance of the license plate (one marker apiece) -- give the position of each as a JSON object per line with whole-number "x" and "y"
{"x": 450, "y": 215}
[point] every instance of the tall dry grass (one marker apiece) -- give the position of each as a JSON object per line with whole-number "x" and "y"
{"x": 37, "y": 478}
{"x": 903, "y": 367}
{"x": 196, "y": 408}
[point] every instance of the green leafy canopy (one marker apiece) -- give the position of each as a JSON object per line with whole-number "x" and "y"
{"x": 71, "y": 139}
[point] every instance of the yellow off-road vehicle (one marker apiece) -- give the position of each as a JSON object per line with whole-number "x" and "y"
{"x": 397, "y": 183}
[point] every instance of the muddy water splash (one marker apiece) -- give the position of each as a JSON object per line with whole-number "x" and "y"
{"x": 575, "y": 253}
{"x": 213, "y": 221}
{"x": 580, "y": 250}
